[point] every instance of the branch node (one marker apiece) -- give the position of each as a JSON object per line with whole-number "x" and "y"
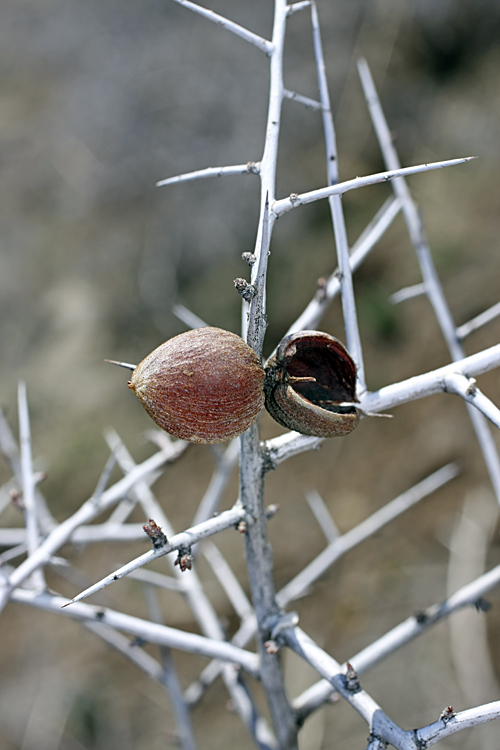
{"x": 253, "y": 167}
{"x": 288, "y": 620}
{"x": 482, "y": 605}
{"x": 268, "y": 462}
{"x": 471, "y": 388}
{"x": 421, "y": 617}
{"x": 138, "y": 642}
{"x": 243, "y": 525}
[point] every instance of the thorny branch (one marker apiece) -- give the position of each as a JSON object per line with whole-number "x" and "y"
{"x": 257, "y": 548}
{"x": 87, "y": 512}
{"x": 430, "y": 277}
{"x": 353, "y": 340}
{"x": 339, "y": 546}
{"x": 144, "y": 629}
{"x": 226, "y": 520}
{"x": 284, "y": 205}
{"x": 43, "y": 537}
{"x": 470, "y": 595}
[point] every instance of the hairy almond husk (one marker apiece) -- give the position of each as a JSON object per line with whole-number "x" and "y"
{"x": 205, "y": 385}
{"x": 307, "y": 379}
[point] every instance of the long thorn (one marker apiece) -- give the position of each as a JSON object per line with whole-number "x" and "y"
{"x": 121, "y": 364}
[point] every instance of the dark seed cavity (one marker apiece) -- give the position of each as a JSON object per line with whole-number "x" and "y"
{"x": 327, "y": 375}
{"x": 310, "y": 385}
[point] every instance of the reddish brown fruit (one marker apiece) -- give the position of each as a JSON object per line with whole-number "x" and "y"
{"x": 205, "y": 386}
{"x": 307, "y": 381}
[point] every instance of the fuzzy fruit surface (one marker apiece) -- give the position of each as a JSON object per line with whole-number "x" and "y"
{"x": 205, "y": 385}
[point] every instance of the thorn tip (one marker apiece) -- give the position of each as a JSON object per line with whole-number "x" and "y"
{"x": 121, "y": 364}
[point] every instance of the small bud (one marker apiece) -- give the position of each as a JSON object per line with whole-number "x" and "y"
{"x": 321, "y": 289}
{"x": 242, "y": 527}
{"x": 248, "y": 258}
{"x": 471, "y": 388}
{"x": 17, "y": 499}
{"x": 184, "y": 559}
{"x": 253, "y": 168}
{"x": 138, "y": 642}
{"x": 351, "y": 679}
{"x": 271, "y": 647}
{"x": 155, "y": 533}
{"x": 447, "y": 714}
{"x": 421, "y": 617}
{"x": 246, "y": 290}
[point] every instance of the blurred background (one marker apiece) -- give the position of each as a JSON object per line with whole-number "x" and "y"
{"x": 99, "y": 101}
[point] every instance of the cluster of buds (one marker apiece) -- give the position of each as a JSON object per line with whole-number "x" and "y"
{"x": 246, "y": 290}
{"x": 155, "y": 533}
{"x": 184, "y": 559}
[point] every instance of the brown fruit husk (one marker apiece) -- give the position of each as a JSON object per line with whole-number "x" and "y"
{"x": 307, "y": 379}
{"x": 205, "y": 385}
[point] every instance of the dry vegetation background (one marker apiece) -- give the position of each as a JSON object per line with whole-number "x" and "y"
{"x": 99, "y": 100}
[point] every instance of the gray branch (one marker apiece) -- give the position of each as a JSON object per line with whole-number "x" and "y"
{"x": 469, "y": 595}
{"x": 429, "y": 275}
{"x": 86, "y": 513}
{"x": 353, "y": 339}
{"x": 195, "y": 644}
{"x": 225, "y": 23}
{"x": 250, "y": 167}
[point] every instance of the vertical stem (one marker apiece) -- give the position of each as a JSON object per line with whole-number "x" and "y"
{"x": 259, "y": 558}
{"x": 257, "y": 319}
{"x": 258, "y": 550}
{"x": 430, "y": 278}
{"x": 200, "y": 606}
{"x": 171, "y": 679}
{"x": 28, "y": 484}
{"x": 353, "y": 339}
